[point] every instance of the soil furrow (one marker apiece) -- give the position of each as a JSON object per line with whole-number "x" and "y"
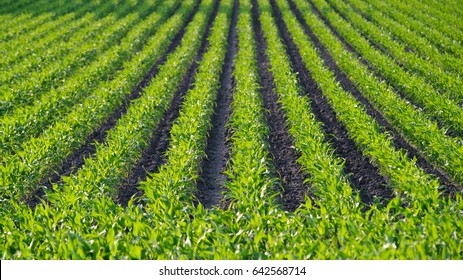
{"x": 153, "y": 157}
{"x": 450, "y": 187}
{"x": 212, "y": 179}
{"x": 364, "y": 176}
{"x": 77, "y": 159}
{"x": 281, "y": 144}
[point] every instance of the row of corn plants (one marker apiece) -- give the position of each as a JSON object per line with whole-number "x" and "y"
{"x": 38, "y": 156}
{"x": 42, "y": 10}
{"x": 38, "y": 31}
{"x": 125, "y": 142}
{"x": 25, "y": 92}
{"x": 195, "y": 233}
{"x": 442, "y": 150}
{"x": 418, "y": 44}
{"x": 412, "y": 86}
{"x": 135, "y": 127}
{"x": 17, "y": 73}
{"x": 374, "y": 235}
{"x": 69, "y": 13}
{"x": 446, "y": 21}
{"x": 438, "y": 39}
{"x": 189, "y": 132}
{"x": 28, "y": 121}
{"x": 169, "y": 193}
{"x": 363, "y": 129}
{"x": 447, "y": 83}
{"x": 55, "y": 40}
{"x": 9, "y": 20}
{"x": 319, "y": 232}
{"x": 240, "y": 232}
{"x": 13, "y": 26}
{"x": 252, "y": 185}
{"x": 20, "y": 52}
{"x": 445, "y": 11}
{"x": 80, "y": 219}
{"x": 437, "y": 24}
{"x": 36, "y": 8}
{"x": 252, "y": 219}
{"x": 316, "y": 155}
{"x": 26, "y": 57}
{"x": 11, "y": 5}
{"x": 330, "y": 189}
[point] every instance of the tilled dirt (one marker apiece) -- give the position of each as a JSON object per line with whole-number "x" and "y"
{"x": 212, "y": 179}
{"x": 281, "y": 144}
{"x": 449, "y": 186}
{"x": 77, "y": 159}
{"x": 154, "y": 155}
{"x": 364, "y": 176}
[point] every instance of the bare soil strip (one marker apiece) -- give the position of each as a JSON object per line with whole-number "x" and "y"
{"x": 212, "y": 179}
{"x": 364, "y": 176}
{"x": 281, "y": 144}
{"x": 77, "y": 159}
{"x": 154, "y": 155}
{"x": 450, "y": 187}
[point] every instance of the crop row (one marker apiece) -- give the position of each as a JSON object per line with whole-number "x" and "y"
{"x": 12, "y": 27}
{"x": 62, "y": 34}
{"x": 424, "y": 134}
{"x": 413, "y": 10}
{"x": 22, "y": 23}
{"x": 30, "y": 120}
{"x": 24, "y": 87}
{"x": 446, "y": 11}
{"x": 35, "y": 29}
{"x": 135, "y": 127}
{"x": 38, "y": 156}
{"x": 125, "y": 142}
{"x": 412, "y": 86}
{"x": 418, "y": 44}
{"x": 334, "y": 225}
{"x": 363, "y": 129}
{"x": 447, "y": 83}
{"x": 316, "y": 156}
{"x": 163, "y": 75}
{"x": 39, "y": 7}
{"x": 442, "y": 41}
{"x": 25, "y": 91}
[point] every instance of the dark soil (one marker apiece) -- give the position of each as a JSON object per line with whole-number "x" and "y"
{"x": 154, "y": 155}
{"x": 364, "y": 176}
{"x": 281, "y": 144}
{"x": 77, "y": 159}
{"x": 450, "y": 187}
{"x": 212, "y": 179}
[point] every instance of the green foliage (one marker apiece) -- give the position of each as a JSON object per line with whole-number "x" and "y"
{"x": 448, "y": 83}
{"x": 28, "y": 121}
{"x": 444, "y": 151}
{"x": 79, "y": 217}
{"x": 412, "y": 86}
